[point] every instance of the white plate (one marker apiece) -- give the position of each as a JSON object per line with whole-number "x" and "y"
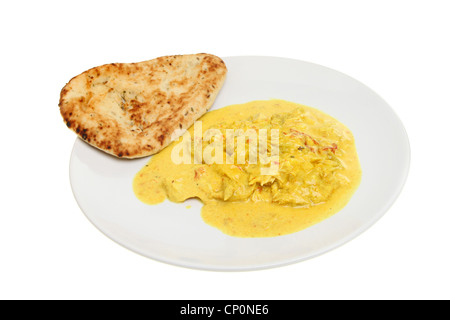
{"x": 171, "y": 233}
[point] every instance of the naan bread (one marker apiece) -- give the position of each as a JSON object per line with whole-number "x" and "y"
{"x": 132, "y": 110}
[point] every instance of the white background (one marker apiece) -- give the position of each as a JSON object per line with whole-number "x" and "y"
{"x": 49, "y": 250}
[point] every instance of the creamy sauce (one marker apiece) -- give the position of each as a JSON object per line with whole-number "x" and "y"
{"x": 317, "y": 170}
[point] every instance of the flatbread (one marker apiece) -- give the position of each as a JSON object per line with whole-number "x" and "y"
{"x": 133, "y": 110}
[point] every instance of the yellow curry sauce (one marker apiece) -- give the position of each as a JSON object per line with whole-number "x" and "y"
{"x": 316, "y": 169}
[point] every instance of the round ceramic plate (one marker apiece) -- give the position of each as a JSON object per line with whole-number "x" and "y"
{"x": 174, "y": 234}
